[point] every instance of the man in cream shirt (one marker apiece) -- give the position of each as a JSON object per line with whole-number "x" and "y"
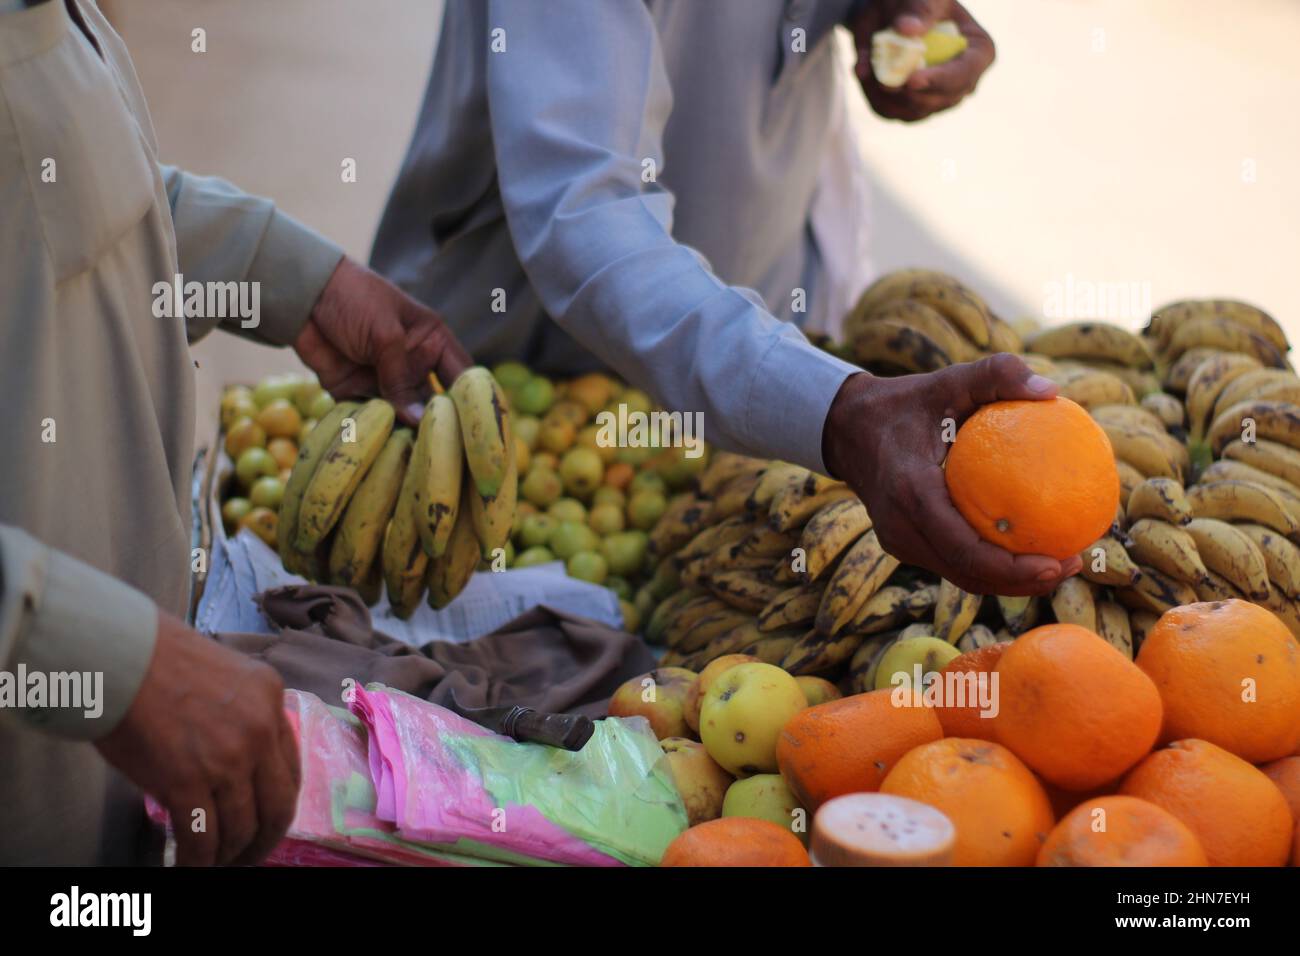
{"x": 97, "y": 433}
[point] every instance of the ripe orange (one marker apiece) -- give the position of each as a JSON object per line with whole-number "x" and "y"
{"x": 960, "y": 715}
{"x": 1286, "y": 774}
{"x": 1034, "y": 477}
{"x": 736, "y": 841}
{"x": 1074, "y": 708}
{"x": 999, "y": 808}
{"x": 848, "y": 745}
{"x": 1238, "y": 814}
{"x": 1228, "y": 672}
{"x": 1121, "y": 831}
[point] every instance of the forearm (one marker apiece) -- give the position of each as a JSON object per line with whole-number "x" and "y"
{"x": 596, "y": 241}
{"x": 62, "y": 619}
{"x": 226, "y": 235}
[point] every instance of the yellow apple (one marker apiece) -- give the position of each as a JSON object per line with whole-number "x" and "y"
{"x": 700, "y": 781}
{"x": 743, "y": 713}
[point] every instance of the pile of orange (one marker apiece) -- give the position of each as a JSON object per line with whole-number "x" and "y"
{"x": 1188, "y": 755}
{"x": 1034, "y": 477}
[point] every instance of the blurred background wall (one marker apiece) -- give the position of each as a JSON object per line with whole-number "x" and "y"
{"x": 1144, "y": 145}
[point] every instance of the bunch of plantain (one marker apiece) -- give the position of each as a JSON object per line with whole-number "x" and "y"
{"x": 920, "y": 320}
{"x": 370, "y": 504}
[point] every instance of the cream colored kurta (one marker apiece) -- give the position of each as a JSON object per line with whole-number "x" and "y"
{"x": 96, "y": 432}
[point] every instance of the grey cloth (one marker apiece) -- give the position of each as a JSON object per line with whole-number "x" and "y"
{"x": 527, "y": 174}
{"x": 545, "y": 659}
{"x": 99, "y": 401}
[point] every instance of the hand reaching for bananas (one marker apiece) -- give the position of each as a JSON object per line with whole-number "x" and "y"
{"x": 933, "y": 89}
{"x": 885, "y": 437}
{"x": 366, "y": 337}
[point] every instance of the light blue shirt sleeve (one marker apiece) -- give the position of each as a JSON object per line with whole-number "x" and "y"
{"x": 574, "y": 124}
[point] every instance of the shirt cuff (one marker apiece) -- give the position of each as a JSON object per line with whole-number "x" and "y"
{"x": 292, "y": 266}
{"x": 790, "y": 395}
{"x": 87, "y": 637}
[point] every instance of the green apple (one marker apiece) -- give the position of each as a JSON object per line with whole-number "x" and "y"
{"x": 765, "y": 796}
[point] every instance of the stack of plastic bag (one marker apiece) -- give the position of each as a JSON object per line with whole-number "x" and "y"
{"x": 445, "y": 782}
{"x": 403, "y": 781}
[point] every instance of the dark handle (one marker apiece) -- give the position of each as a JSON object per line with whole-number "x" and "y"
{"x": 569, "y": 731}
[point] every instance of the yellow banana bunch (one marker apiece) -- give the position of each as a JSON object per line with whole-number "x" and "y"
{"x": 1021, "y": 613}
{"x": 1224, "y": 335}
{"x": 685, "y": 517}
{"x": 1231, "y": 553}
{"x": 345, "y": 462}
{"x": 1168, "y": 548}
{"x": 1113, "y": 626}
{"x": 830, "y": 532}
{"x": 1244, "y": 501}
{"x": 311, "y": 451}
{"x": 447, "y": 575}
{"x": 1093, "y": 341}
{"x": 1209, "y": 381}
{"x": 1280, "y": 461}
{"x": 1161, "y": 498}
{"x": 861, "y": 572}
{"x": 1105, "y": 562}
{"x": 816, "y": 653}
{"x": 793, "y": 607}
{"x": 1156, "y": 592}
{"x": 1275, "y": 421}
{"x": 441, "y": 455}
{"x": 1254, "y": 383}
{"x": 361, "y": 529}
{"x": 793, "y": 506}
{"x": 745, "y": 590}
{"x": 1074, "y": 602}
{"x": 1281, "y": 558}
{"x": 954, "y": 611}
{"x": 403, "y": 557}
{"x": 484, "y": 417}
{"x": 725, "y": 467}
{"x": 1166, "y": 321}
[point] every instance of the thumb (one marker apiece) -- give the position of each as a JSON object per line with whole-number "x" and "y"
{"x": 917, "y": 17}
{"x": 998, "y": 378}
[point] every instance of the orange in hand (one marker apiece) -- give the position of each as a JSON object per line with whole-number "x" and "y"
{"x": 1034, "y": 477}
{"x": 1228, "y": 672}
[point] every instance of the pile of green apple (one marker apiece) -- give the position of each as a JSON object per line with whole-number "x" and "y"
{"x": 262, "y": 428}
{"x": 583, "y": 499}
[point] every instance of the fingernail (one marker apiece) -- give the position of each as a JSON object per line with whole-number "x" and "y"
{"x": 415, "y": 410}
{"x": 1039, "y": 385}
{"x": 1049, "y": 575}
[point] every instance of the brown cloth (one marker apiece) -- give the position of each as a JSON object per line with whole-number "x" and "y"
{"x": 545, "y": 659}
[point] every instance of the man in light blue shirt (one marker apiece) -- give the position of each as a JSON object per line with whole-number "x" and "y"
{"x": 628, "y": 182}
